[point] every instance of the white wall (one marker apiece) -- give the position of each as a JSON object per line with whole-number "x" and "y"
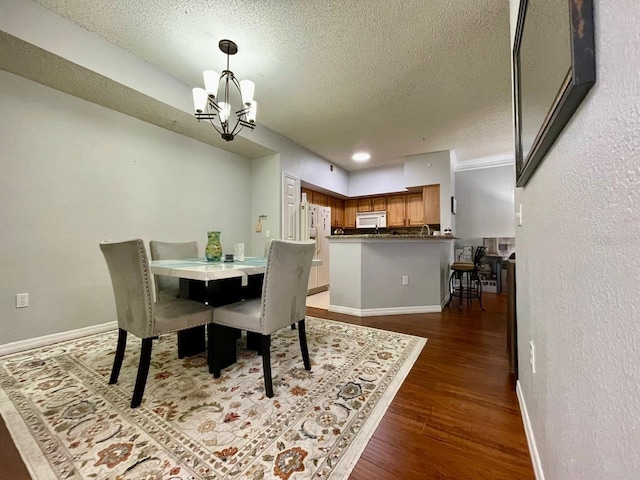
{"x": 578, "y": 272}
{"x": 485, "y": 204}
{"x": 453, "y": 160}
{"x": 374, "y": 181}
{"x": 73, "y": 174}
{"x": 302, "y": 163}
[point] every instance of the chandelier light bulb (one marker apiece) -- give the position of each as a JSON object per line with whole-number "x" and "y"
{"x": 199, "y": 100}
{"x": 211, "y": 81}
{"x": 247, "y": 88}
{"x": 251, "y": 114}
{"x": 225, "y": 111}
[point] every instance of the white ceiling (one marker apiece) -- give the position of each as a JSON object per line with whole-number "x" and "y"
{"x": 395, "y": 78}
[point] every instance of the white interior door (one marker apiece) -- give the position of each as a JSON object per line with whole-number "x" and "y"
{"x": 290, "y": 206}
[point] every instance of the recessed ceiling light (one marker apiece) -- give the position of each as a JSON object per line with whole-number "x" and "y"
{"x": 361, "y": 157}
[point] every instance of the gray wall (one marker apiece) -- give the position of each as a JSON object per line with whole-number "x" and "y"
{"x": 578, "y": 272}
{"x": 73, "y": 174}
{"x": 266, "y": 197}
{"x": 485, "y": 204}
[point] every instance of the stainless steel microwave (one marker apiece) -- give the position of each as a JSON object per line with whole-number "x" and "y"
{"x": 371, "y": 219}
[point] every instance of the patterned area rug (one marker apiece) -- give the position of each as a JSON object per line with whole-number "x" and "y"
{"x": 69, "y": 423}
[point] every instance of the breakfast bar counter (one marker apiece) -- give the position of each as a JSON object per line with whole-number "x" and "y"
{"x": 383, "y": 274}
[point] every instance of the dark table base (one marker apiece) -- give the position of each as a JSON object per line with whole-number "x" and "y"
{"x": 216, "y": 293}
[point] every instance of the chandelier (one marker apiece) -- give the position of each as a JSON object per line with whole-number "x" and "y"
{"x": 214, "y": 101}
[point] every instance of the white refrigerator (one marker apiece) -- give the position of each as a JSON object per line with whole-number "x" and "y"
{"x": 315, "y": 224}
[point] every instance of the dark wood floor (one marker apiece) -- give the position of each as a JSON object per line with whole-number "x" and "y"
{"x": 456, "y": 415}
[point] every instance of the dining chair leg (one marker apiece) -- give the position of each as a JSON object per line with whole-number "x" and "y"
{"x": 480, "y": 294}
{"x": 452, "y": 288}
{"x": 302, "y": 335}
{"x": 117, "y": 360}
{"x": 143, "y": 371}
{"x": 210, "y": 346}
{"x": 266, "y": 364}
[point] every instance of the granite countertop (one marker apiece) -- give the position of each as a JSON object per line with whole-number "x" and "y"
{"x": 400, "y": 235}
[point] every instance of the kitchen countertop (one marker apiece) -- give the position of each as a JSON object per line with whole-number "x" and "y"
{"x": 400, "y": 235}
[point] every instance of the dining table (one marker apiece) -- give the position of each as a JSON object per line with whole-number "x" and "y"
{"x": 214, "y": 283}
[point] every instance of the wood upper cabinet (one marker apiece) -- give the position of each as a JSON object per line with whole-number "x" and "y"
{"x": 431, "y": 197}
{"x": 414, "y": 210}
{"x": 364, "y": 204}
{"x": 405, "y": 210}
{"x": 337, "y": 212}
{"x": 350, "y": 209}
{"x": 378, "y": 204}
{"x": 320, "y": 199}
{"x": 396, "y": 210}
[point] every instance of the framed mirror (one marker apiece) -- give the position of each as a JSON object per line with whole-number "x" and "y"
{"x": 553, "y": 70}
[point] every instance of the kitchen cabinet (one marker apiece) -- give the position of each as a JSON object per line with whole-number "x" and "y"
{"x": 414, "y": 210}
{"x": 309, "y": 194}
{"x": 350, "y": 209}
{"x": 337, "y": 212}
{"x": 320, "y": 199}
{"x": 378, "y": 204}
{"x": 396, "y": 210}
{"x": 364, "y": 205}
{"x": 405, "y": 210}
{"x": 431, "y": 198}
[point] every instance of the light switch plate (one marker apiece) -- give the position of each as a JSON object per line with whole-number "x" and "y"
{"x": 519, "y": 214}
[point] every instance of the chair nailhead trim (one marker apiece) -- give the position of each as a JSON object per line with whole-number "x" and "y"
{"x": 145, "y": 273}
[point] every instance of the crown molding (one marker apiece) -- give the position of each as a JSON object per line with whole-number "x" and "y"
{"x": 485, "y": 162}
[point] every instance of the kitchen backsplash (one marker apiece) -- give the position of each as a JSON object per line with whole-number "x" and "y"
{"x": 388, "y": 231}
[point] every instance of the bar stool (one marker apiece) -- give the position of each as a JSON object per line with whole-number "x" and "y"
{"x": 464, "y": 281}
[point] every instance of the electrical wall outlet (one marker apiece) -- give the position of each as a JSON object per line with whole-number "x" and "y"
{"x": 22, "y": 300}
{"x": 405, "y": 280}
{"x": 532, "y": 356}
{"x": 267, "y": 234}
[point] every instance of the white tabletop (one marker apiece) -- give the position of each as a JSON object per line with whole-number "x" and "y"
{"x": 201, "y": 269}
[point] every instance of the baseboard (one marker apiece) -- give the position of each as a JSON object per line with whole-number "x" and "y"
{"x": 314, "y": 290}
{"x": 444, "y": 302}
{"x": 370, "y": 312}
{"x": 533, "y": 449}
{"x": 30, "y": 343}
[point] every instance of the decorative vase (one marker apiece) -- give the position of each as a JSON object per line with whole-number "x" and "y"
{"x": 213, "y": 251}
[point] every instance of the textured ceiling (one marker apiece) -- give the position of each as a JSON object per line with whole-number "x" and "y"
{"x": 395, "y": 78}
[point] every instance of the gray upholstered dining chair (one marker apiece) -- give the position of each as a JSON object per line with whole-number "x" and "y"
{"x": 165, "y": 285}
{"x": 283, "y": 303}
{"x": 138, "y": 314}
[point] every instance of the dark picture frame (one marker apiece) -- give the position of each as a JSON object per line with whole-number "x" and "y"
{"x": 454, "y": 205}
{"x": 580, "y": 77}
